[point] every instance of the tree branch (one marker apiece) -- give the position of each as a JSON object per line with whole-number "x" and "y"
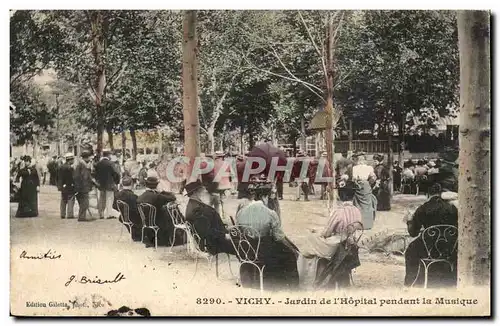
{"x": 117, "y": 75}
{"x": 305, "y": 84}
{"x": 314, "y": 44}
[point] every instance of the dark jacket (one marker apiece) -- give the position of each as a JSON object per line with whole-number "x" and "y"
{"x": 106, "y": 175}
{"x": 128, "y": 196}
{"x": 65, "y": 182}
{"x": 82, "y": 178}
{"x": 158, "y": 200}
{"x": 209, "y": 226}
{"x": 433, "y": 212}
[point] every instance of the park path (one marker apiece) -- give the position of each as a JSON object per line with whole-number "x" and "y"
{"x": 97, "y": 248}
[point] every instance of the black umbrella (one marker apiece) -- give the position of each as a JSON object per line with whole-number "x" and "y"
{"x": 268, "y": 152}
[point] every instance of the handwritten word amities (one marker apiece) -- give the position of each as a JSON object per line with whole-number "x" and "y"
{"x": 48, "y": 255}
{"x": 96, "y": 280}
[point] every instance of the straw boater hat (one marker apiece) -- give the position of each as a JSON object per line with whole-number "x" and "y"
{"x": 324, "y": 154}
{"x": 152, "y": 179}
{"x": 127, "y": 182}
{"x": 69, "y": 156}
{"x": 219, "y": 154}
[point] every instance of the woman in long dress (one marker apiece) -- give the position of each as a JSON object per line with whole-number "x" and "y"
{"x": 363, "y": 176}
{"x": 28, "y": 192}
{"x": 381, "y": 189}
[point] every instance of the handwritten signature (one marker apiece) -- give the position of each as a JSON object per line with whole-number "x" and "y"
{"x": 97, "y": 280}
{"x": 48, "y": 255}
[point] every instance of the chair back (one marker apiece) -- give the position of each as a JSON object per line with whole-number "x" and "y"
{"x": 148, "y": 214}
{"x": 246, "y": 243}
{"x": 440, "y": 241}
{"x": 124, "y": 210}
{"x": 174, "y": 212}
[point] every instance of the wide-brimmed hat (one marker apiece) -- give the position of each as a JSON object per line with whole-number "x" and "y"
{"x": 191, "y": 187}
{"x": 127, "y": 182}
{"x": 378, "y": 157}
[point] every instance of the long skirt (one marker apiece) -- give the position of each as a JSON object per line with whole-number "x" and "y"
{"x": 28, "y": 200}
{"x": 383, "y": 197}
{"x": 280, "y": 271}
{"x": 439, "y": 275}
{"x": 366, "y": 202}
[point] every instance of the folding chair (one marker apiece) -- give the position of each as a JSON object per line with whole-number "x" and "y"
{"x": 148, "y": 217}
{"x": 125, "y": 212}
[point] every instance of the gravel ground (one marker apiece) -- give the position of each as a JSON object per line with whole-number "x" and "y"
{"x": 96, "y": 248}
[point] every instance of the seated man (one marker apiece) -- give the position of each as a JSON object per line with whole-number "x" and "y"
{"x": 205, "y": 220}
{"x": 433, "y": 212}
{"x": 277, "y": 253}
{"x": 158, "y": 199}
{"x": 127, "y": 195}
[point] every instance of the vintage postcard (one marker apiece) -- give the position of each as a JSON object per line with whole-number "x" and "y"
{"x": 250, "y": 163}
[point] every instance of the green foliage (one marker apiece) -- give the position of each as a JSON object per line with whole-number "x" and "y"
{"x": 29, "y": 115}
{"x": 405, "y": 61}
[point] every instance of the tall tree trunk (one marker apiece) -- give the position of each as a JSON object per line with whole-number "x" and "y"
{"x": 242, "y": 139}
{"x": 401, "y": 139}
{"x": 190, "y": 88}
{"x": 251, "y": 141}
{"x": 134, "y": 143}
{"x": 98, "y": 49}
{"x": 124, "y": 145}
{"x": 350, "y": 136}
{"x": 330, "y": 134}
{"x": 390, "y": 159}
{"x": 303, "y": 138}
{"x": 110, "y": 139}
{"x": 35, "y": 145}
{"x": 474, "y": 245}
{"x": 211, "y": 140}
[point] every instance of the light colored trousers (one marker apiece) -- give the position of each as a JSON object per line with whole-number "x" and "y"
{"x": 105, "y": 205}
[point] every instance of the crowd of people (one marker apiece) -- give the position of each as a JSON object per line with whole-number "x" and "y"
{"x": 363, "y": 190}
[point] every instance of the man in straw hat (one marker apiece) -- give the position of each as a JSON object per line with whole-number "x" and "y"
{"x": 66, "y": 186}
{"x": 107, "y": 178}
{"x": 158, "y": 199}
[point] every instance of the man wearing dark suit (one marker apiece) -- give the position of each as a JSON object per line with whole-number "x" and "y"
{"x": 127, "y": 196}
{"x": 83, "y": 185}
{"x": 206, "y": 221}
{"x": 107, "y": 177}
{"x": 158, "y": 200}
{"x": 66, "y": 186}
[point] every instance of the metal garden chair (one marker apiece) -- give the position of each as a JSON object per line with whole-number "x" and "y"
{"x": 440, "y": 243}
{"x": 148, "y": 217}
{"x": 125, "y": 212}
{"x": 246, "y": 243}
